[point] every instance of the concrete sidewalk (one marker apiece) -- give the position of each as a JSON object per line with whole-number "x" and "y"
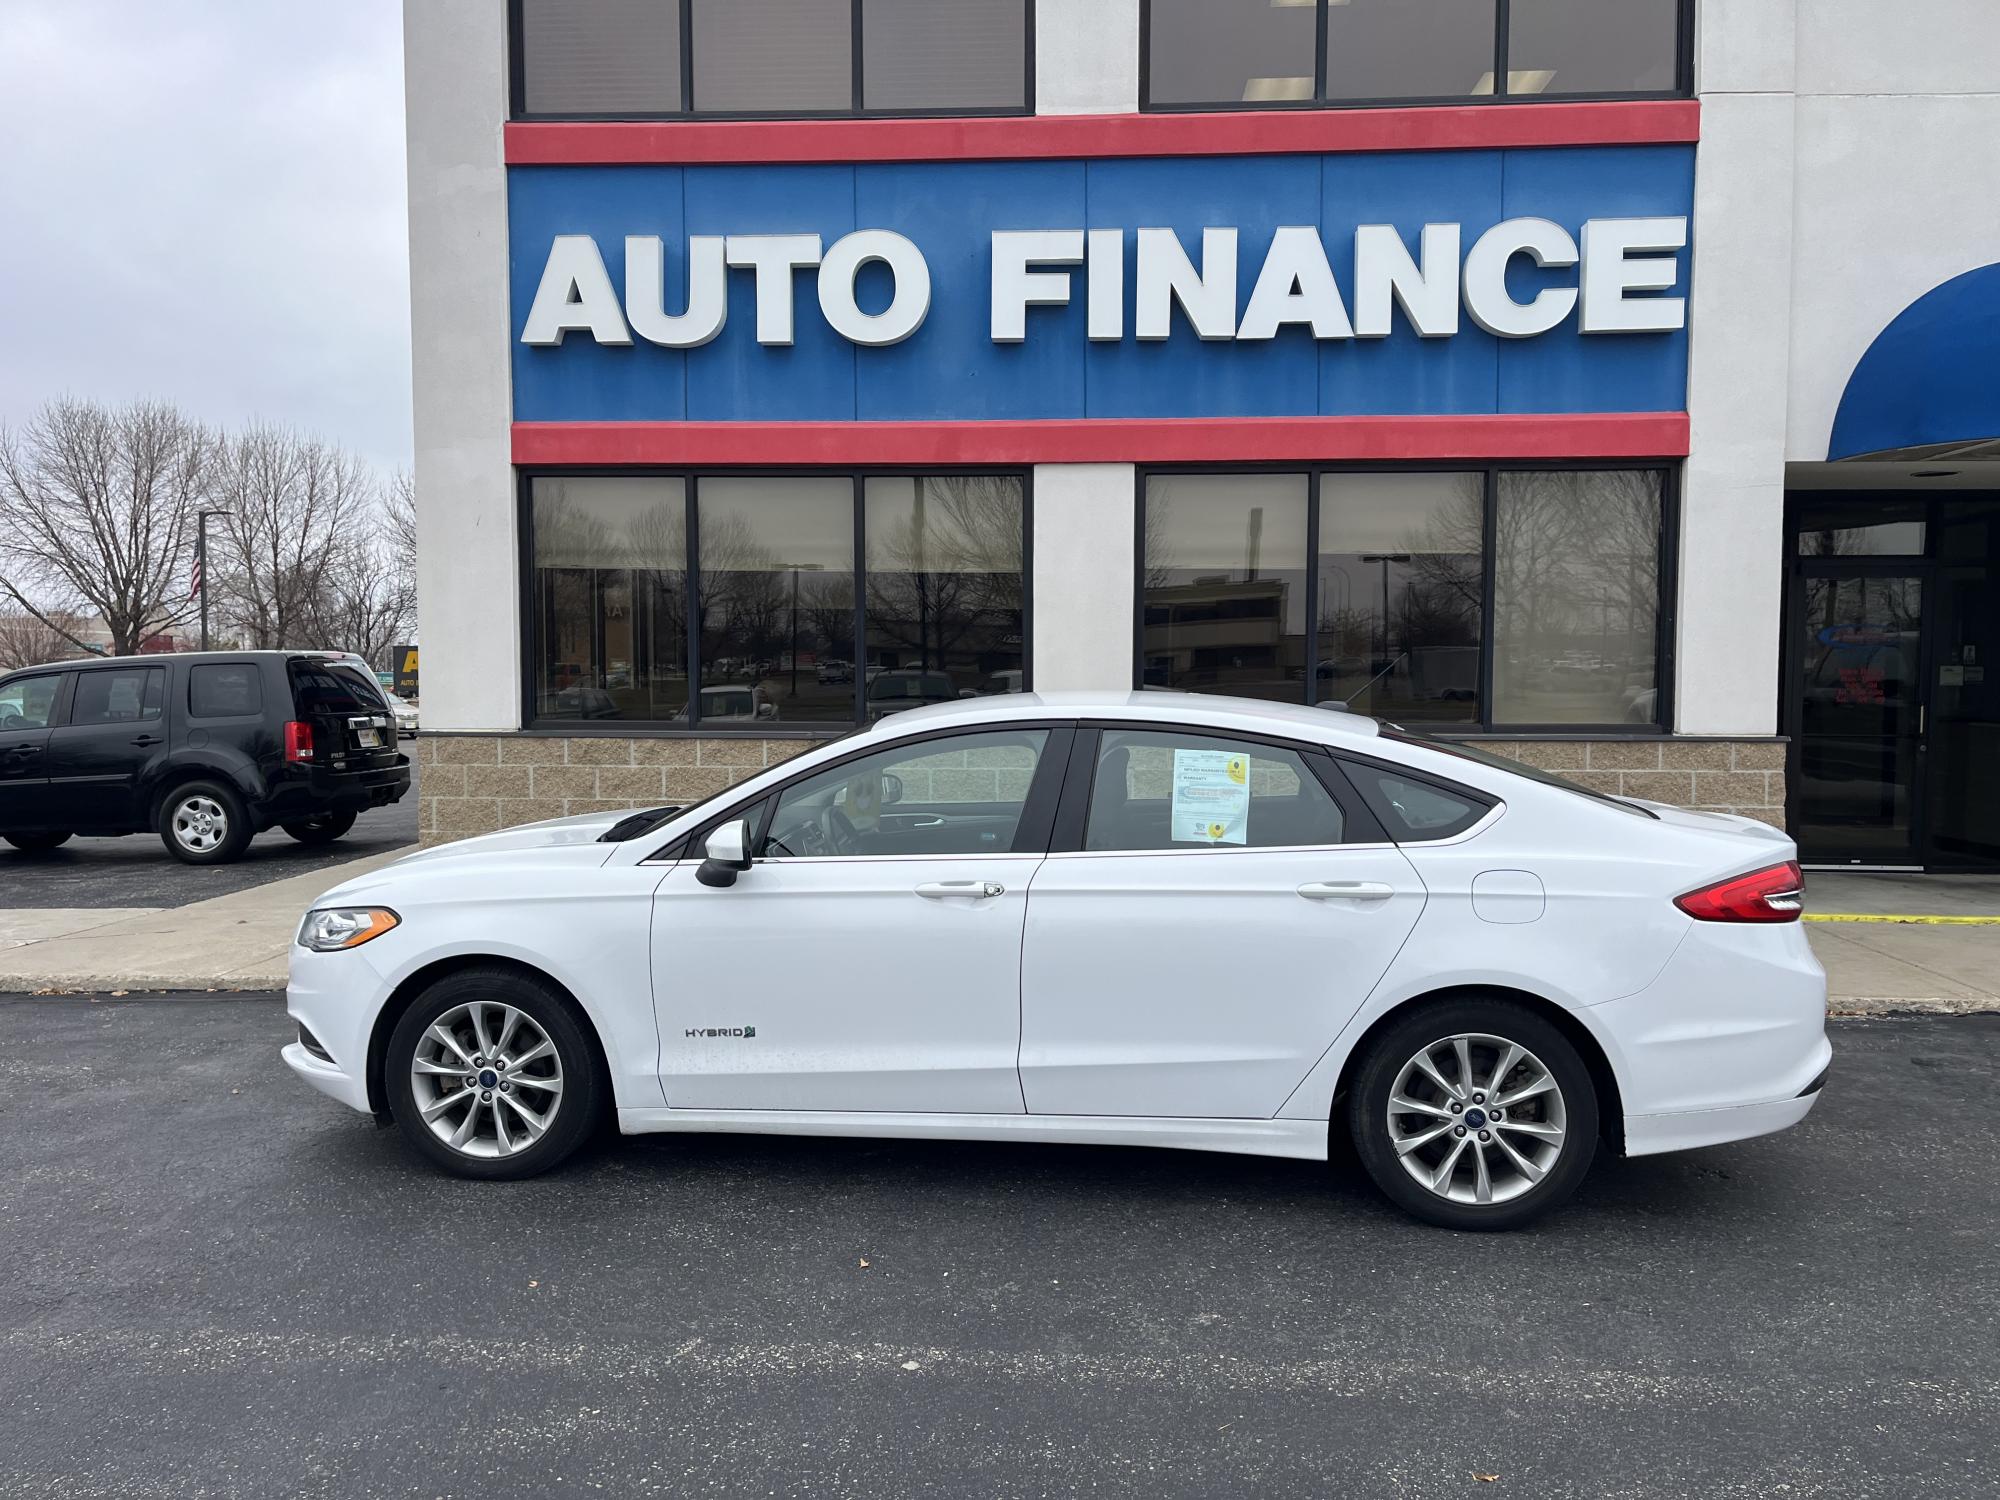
{"x": 240, "y": 941}
{"x": 235, "y": 942}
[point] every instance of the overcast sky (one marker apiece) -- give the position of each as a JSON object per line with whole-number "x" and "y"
{"x": 204, "y": 203}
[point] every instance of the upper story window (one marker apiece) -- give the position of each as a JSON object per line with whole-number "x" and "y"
{"x": 1242, "y": 54}
{"x": 596, "y": 59}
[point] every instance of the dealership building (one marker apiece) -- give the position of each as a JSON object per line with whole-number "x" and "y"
{"x": 1612, "y": 383}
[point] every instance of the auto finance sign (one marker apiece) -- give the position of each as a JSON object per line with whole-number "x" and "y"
{"x": 1494, "y": 281}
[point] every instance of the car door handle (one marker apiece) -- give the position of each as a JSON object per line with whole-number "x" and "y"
{"x": 926, "y": 823}
{"x": 148, "y": 739}
{"x": 964, "y": 890}
{"x": 1346, "y": 890}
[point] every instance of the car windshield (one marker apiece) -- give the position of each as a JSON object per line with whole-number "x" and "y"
{"x": 1515, "y": 767}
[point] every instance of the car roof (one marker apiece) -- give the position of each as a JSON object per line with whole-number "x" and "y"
{"x": 160, "y": 658}
{"x": 1253, "y": 715}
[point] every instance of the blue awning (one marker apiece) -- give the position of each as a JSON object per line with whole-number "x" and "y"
{"x": 1932, "y": 376}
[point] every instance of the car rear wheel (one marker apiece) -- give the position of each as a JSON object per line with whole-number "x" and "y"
{"x": 36, "y": 843}
{"x": 1474, "y": 1113}
{"x": 490, "y": 1075}
{"x": 323, "y": 829}
{"x": 204, "y": 823}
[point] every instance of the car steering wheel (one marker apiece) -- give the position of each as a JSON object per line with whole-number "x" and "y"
{"x": 14, "y": 721}
{"x": 840, "y": 832}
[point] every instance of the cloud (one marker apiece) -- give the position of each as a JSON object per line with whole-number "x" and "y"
{"x": 205, "y": 203}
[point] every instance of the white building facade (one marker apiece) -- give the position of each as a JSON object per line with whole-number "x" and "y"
{"x": 1611, "y": 383}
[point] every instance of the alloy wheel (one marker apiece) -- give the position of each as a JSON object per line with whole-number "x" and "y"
{"x": 1477, "y": 1119}
{"x": 487, "y": 1079}
{"x": 200, "y": 824}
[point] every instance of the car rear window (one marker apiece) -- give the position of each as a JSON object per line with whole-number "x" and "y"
{"x": 1415, "y": 809}
{"x": 328, "y": 687}
{"x": 1517, "y": 768}
{"x": 224, "y": 690}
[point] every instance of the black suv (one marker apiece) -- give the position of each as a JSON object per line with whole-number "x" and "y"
{"x": 206, "y": 749}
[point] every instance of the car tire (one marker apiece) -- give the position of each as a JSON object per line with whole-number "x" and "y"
{"x": 323, "y": 829}
{"x": 36, "y": 843}
{"x": 1502, "y": 1171}
{"x": 483, "y": 1130}
{"x": 204, "y": 823}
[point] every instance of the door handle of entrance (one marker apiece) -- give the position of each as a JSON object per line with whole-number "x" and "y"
{"x": 963, "y": 890}
{"x": 1346, "y": 890}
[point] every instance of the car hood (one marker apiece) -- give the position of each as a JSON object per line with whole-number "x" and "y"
{"x": 555, "y": 833}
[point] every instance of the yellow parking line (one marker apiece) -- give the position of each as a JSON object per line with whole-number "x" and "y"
{"x": 1927, "y": 921}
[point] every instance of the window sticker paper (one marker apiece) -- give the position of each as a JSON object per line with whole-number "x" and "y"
{"x": 1211, "y": 803}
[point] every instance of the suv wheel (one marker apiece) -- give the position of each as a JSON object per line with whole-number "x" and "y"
{"x": 323, "y": 829}
{"x": 204, "y": 823}
{"x": 490, "y": 1075}
{"x": 1474, "y": 1114}
{"x": 36, "y": 843}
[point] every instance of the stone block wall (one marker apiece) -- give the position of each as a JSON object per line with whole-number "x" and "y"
{"x": 1734, "y": 776}
{"x": 476, "y": 783}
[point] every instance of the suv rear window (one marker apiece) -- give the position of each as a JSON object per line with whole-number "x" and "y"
{"x": 328, "y": 687}
{"x": 225, "y": 690}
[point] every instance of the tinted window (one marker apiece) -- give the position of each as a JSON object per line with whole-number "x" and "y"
{"x": 1229, "y": 52}
{"x": 1576, "y": 598}
{"x": 326, "y": 687}
{"x": 1414, "y": 811}
{"x": 1409, "y": 49}
{"x": 1592, "y": 46}
{"x": 117, "y": 697}
{"x": 27, "y": 702}
{"x": 773, "y": 56}
{"x": 1224, "y": 590}
{"x": 1154, "y": 790}
{"x": 943, "y": 54}
{"x": 964, "y": 794}
{"x": 229, "y": 689}
{"x": 601, "y": 56}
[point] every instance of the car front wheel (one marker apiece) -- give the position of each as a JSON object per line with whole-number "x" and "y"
{"x": 490, "y": 1075}
{"x": 1474, "y": 1114}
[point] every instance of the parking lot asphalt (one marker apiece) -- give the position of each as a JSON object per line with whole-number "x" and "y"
{"x": 219, "y": 1283}
{"x": 137, "y": 871}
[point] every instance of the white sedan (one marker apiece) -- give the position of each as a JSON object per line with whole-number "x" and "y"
{"x": 1135, "y": 919}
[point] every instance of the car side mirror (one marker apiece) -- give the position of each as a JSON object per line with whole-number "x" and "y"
{"x": 892, "y": 788}
{"x": 728, "y": 855}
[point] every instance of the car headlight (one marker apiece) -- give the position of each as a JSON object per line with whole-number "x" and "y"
{"x": 338, "y": 927}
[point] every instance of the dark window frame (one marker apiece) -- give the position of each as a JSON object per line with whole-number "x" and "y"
{"x": 517, "y": 82}
{"x": 1667, "y": 581}
{"x": 690, "y": 478}
{"x": 1683, "y": 74}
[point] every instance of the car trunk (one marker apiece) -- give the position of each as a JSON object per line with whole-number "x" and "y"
{"x": 352, "y": 727}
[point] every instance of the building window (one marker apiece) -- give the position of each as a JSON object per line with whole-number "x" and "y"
{"x": 1463, "y": 599}
{"x": 734, "y": 601}
{"x": 1236, "y": 54}
{"x": 661, "y": 58}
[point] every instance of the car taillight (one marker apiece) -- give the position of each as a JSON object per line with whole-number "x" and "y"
{"x": 1775, "y": 894}
{"x": 298, "y": 742}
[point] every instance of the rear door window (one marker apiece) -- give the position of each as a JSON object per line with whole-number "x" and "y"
{"x": 225, "y": 690}
{"x": 1159, "y": 790}
{"x": 124, "y": 697}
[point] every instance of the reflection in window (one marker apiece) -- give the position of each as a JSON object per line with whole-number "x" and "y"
{"x": 945, "y": 611}
{"x": 1229, "y": 52}
{"x": 1409, "y": 49}
{"x": 944, "y": 54}
{"x": 1400, "y": 586}
{"x": 610, "y": 598}
{"x": 1224, "y": 587}
{"x": 773, "y": 57}
{"x": 1576, "y": 598}
{"x": 777, "y": 599}
{"x": 1860, "y": 528}
{"x": 1593, "y": 46}
{"x": 601, "y": 56}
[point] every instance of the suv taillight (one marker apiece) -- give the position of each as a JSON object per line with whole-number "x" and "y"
{"x": 298, "y": 742}
{"x": 1775, "y": 894}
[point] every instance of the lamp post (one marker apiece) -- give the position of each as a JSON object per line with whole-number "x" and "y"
{"x": 201, "y": 566}
{"x": 1385, "y": 558}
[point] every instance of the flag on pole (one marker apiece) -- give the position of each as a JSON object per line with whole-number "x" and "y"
{"x": 194, "y": 583}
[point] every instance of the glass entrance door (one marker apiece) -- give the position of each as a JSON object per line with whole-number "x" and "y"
{"x": 1858, "y": 707}
{"x": 1962, "y": 732}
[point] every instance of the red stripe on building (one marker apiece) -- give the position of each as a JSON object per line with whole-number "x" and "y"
{"x": 1029, "y": 137}
{"x": 1136, "y": 440}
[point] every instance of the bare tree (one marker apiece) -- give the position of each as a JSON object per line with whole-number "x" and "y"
{"x": 293, "y": 506}
{"x": 97, "y": 508}
{"x": 28, "y": 640}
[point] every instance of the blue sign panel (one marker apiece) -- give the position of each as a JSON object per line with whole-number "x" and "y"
{"x": 1563, "y": 274}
